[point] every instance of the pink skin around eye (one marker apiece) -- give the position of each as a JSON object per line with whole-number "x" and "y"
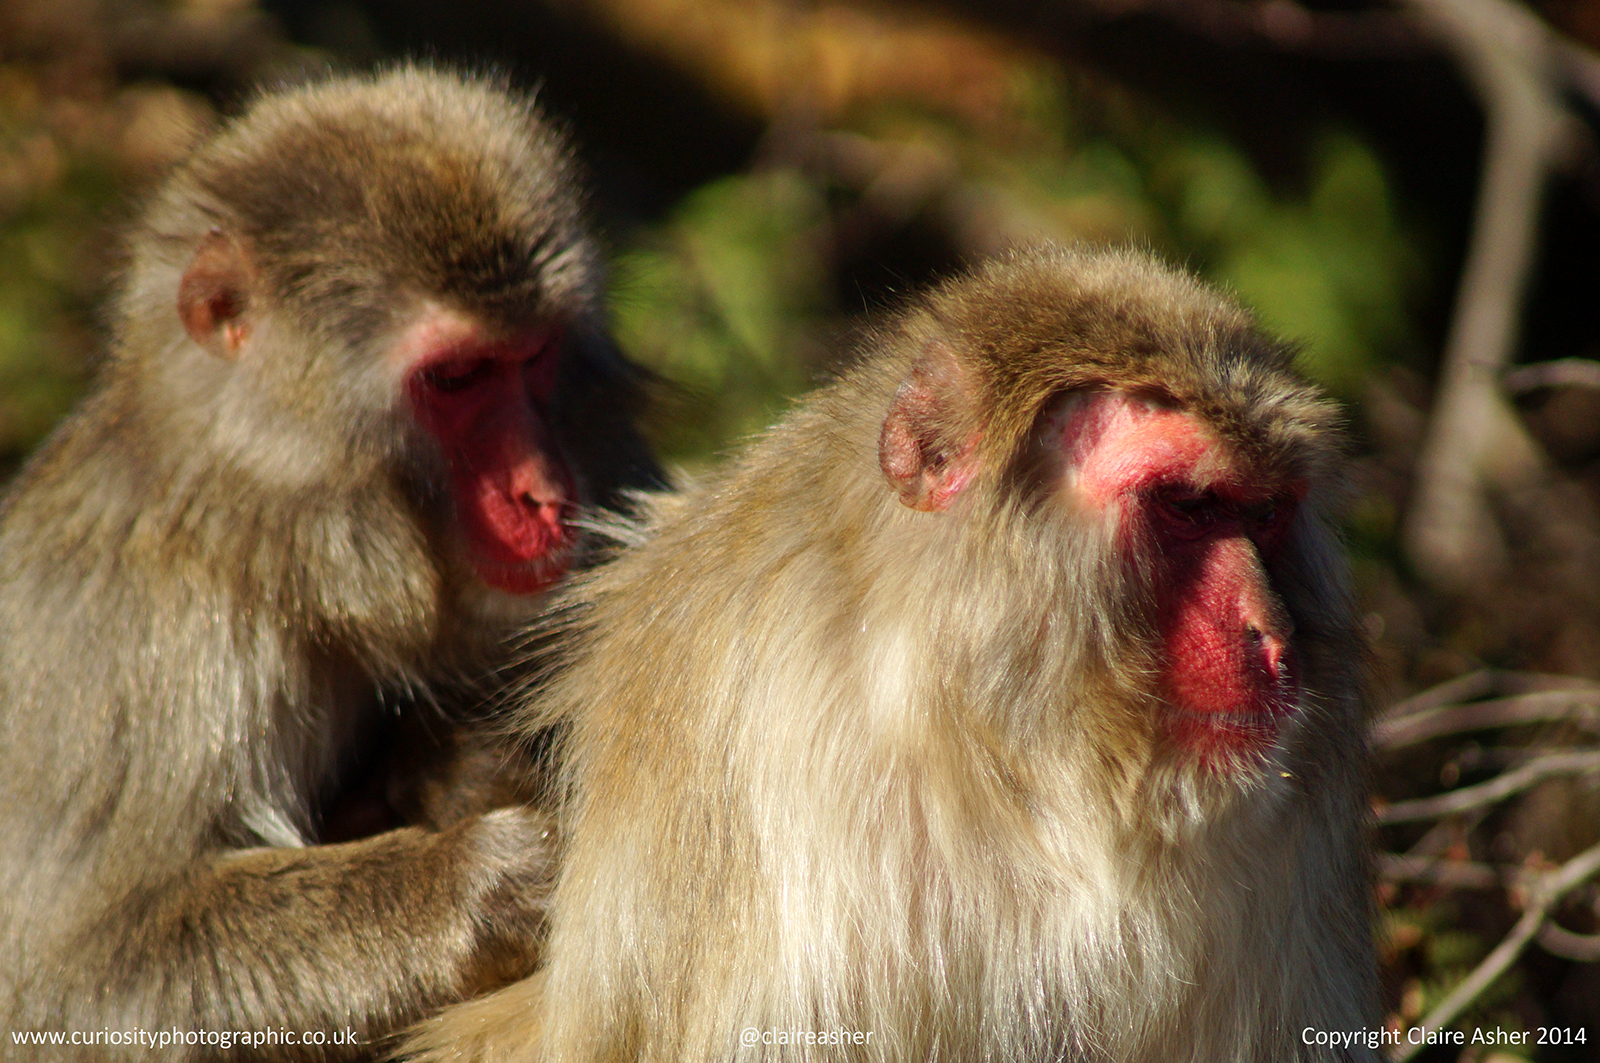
{"x": 1229, "y": 676}
{"x": 1119, "y": 444}
{"x": 483, "y": 399}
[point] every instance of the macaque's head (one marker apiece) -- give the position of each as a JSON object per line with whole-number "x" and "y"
{"x": 1174, "y": 470}
{"x": 390, "y": 278}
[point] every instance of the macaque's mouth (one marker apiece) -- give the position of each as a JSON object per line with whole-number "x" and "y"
{"x": 531, "y": 576}
{"x": 520, "y": 542}
{"x": 1220, "y": 736}
{"x": 1230, "y": 695}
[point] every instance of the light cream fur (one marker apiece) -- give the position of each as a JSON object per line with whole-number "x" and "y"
{"x": 836, "y": 764}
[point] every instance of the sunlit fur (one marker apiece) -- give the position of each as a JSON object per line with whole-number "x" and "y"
{"x": 231, "y": 572}
{"x": 834, "y": 763}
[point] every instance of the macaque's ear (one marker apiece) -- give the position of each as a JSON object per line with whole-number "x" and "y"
{"x": 214, "y": 295}
{"x": 928, "y": 445}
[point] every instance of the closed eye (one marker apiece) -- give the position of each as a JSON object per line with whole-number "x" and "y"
{"x": 452, "y": 377}
{"x": 1192, "y": 507}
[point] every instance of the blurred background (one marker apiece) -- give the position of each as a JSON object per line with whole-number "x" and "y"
{"x": 1411, "y": 191}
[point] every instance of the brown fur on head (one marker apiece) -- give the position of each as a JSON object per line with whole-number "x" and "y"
{"x": 908, "y": 722}
{"x": 478, "y": 202}
{"x": 1114, "y": 320}
{"x": 353, "y": 201}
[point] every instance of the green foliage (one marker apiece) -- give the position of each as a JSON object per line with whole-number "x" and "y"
{"x": 726, "y": 296}
{"x": 46, "y": 287}
{"x": 718, "y": 299}
{"x": 1330, "y": 270}
{"x": 1448, "y": 956}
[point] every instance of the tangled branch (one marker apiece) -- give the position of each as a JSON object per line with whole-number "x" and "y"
{"x": 1487, "y": 700}
{"x": 1545, "y": 894}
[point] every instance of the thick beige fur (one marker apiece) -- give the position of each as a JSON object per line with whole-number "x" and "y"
{"x": 834, "y": 764}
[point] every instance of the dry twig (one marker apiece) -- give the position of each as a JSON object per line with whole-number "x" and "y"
{"x": 1559, "y": 941}
{"x": 1487, "y": 683}
{"x": 1446, "y": 834}
{"x": 1452, "y": 874}
{"x": 1580, "y": 705}
{"x": 1455, "y": 706}
{"x": 1544, "y": 895}
{"x": 1475, "y": 441}
{"x": 1496, "y": 789}
{"x": 1560, "y": 372}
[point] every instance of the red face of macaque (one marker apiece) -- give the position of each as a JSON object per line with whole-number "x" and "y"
{"x": 1209, "y": 524}
{"x": 484, "y": 400}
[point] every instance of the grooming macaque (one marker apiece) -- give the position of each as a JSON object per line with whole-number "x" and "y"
{"x": 357, "y": 392}
{"x": 1000, "y": 704}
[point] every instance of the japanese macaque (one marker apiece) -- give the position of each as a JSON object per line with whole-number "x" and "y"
{"x": 358, "y": 391}
{"x": 1001, "y": 703}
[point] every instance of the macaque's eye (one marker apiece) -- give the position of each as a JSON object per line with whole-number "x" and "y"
{"x": 1192, "y": 508}
{"x": 1273, "y": 513}
{"x": 452, "y": 377}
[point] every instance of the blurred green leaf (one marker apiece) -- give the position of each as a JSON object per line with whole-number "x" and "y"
{"x": 718, "y": 300}
{"x": 1331, "y": 272}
